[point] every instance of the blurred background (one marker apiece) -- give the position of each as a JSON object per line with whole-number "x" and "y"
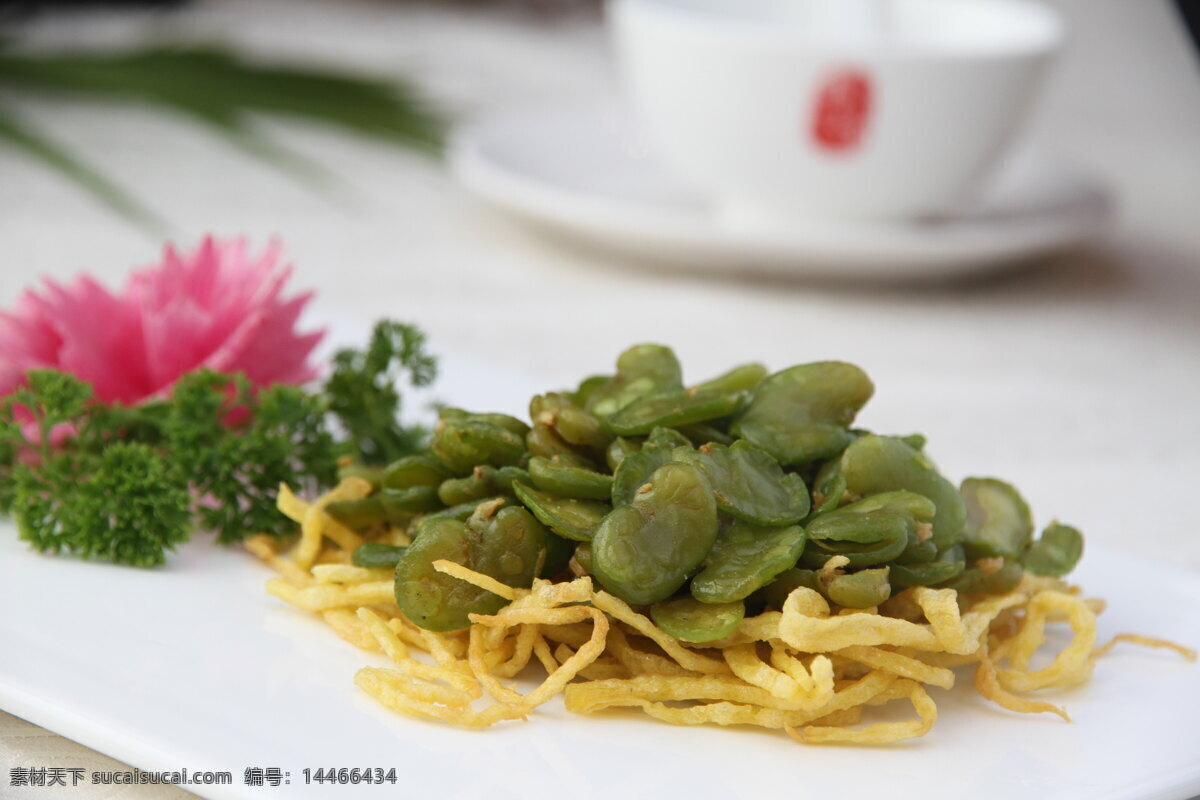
{"x": 1075, "y": 375}
{"x": 1079, "y": 366}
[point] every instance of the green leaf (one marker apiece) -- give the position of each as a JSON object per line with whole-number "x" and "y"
{"x": 32, "y": 142}
{"x": 124, "y": 503}
{"x": 131, "y": 482}
{"x": 362, "y": 391}
{"x": 221, "y": 88}
{"x": 239, "y": 445}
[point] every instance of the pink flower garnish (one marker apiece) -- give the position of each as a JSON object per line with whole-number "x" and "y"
{"x": 219, "y": 307}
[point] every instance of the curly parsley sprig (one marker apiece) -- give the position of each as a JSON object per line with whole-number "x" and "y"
{"x": 128, "y": 484}
{"x": 362, "y": 392}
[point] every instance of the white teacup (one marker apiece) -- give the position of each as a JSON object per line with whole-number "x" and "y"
{"x": 781, "y": 110}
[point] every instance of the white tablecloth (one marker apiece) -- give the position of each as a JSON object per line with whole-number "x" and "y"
{"x": 1076, "y": 378}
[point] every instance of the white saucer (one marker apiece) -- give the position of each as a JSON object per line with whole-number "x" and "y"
{"x": 588, "y": 172}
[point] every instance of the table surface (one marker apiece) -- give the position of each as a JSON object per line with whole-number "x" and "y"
{"x": 1075, "y": 377}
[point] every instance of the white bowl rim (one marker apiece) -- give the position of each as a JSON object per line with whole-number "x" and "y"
{"x": 701, "y": 24}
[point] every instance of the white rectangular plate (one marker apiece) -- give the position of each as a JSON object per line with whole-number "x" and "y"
{"x": 194, "y": 665}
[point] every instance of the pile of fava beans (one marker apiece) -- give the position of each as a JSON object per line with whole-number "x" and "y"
{"x": 700, "y": 503}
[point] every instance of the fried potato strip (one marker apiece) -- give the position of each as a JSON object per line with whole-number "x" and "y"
{"x": 812, "y": 670}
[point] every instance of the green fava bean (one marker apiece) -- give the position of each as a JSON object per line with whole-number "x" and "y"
{"x": 543, "y": 441}
{"x": 558, "y": 555}
{"x": 370, "y": 474}
{"x": 461, "y": 512}
{"x": 667, "y": 438}
{"x": 586, "y": 387}
{"x": 566, "y": 481}
{"x": 652, "y": 360}
{"x": 917, "y": 506}
{"x": 738, "y": 379}
{"x": 463, "y": 444}
{"x": 634, "y": 471}
{"x": 702, "y": 433}
{"x": 358, "y": 514}
{"x": 866, "y": 539}
{"x": 954, "y": 553}
{"x": 480, "y": 484}
{"x": 689, "y": 620}
{"x": 917, "y": 551}
{"x": 974, "y": 580}
{"x": 484, "y": 482}
{"x": 431, "y": 599}
{"x": 645, "y": 551}
{"x": 507, "y": 422}
{"x": 672, "y": 410}
{"x": 863, "y": 589}
{"x": 574, "y": 425}
{"x": 399, "y": 504}
{"x": 749, "y": 484}
{"x": 926, "y": 574}
{"x": 803, "y": 413}
{"x": 642, "y": 370}
{"x": 918, "y": 548}
{"x": 827, "y": 471}
{"x": 744, "y": 559}
{"x": 831, "y": 490}
{"x": 1056, "y": 552}
{"x": 509, "y": 544}
{"x": 569, "y": 518}
{"x": 874, "y": 464}
{"x": 505, "y": 477}
{"x": 411, "y": 471}
{"x": 774, "y": 593}
{"x": 998, "y": 519}
{"x": 583, "y": 557}
{"x": 636, "y": 468}
{"x": 861, "y": 527}
{"x": 618, "y": 450}
{"x": 376, "y": 554}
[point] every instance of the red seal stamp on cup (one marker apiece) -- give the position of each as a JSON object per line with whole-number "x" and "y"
{"x": 842, "y": 110}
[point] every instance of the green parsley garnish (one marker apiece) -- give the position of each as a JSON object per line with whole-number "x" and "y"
{"x": 128, "y": 484}
{"x": 362, "y": 392}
